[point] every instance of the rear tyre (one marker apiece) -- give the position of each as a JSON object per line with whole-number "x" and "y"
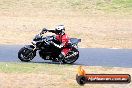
{"x": 69, "y": 59}
{"x": 26, "y": 54}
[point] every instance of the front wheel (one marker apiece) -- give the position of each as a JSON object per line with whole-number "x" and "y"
{"x": 71, "y": 57}
{"x": 26, "y": 54}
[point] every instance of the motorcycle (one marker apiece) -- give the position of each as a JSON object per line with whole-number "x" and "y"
{"x": 47, "y": 51}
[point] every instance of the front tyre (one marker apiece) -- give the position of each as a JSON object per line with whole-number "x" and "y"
{"x": 26, "y": 54}
{"x": 71, "y": 57}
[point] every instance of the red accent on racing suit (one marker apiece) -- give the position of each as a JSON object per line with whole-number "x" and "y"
{"x": 64, "y": 39}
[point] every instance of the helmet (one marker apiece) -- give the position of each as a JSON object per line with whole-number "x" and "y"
{"x": 60, "y": 29}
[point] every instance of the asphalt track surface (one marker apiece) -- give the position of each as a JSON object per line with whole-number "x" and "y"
{"x": 88, "y": 56}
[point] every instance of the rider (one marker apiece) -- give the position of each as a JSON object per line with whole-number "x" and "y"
{"x": 62, "y": 37}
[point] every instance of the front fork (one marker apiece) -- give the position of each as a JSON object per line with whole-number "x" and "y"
{"x": 32, "y": 48}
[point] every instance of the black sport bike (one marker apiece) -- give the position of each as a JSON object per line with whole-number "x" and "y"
{"x": 47, "y": 51}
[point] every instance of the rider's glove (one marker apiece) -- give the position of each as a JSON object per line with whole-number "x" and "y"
{"x": 44, "y": 30}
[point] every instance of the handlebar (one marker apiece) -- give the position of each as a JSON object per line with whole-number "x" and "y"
{"x": 44, "y": 30}
{"x": 48, "y": 39}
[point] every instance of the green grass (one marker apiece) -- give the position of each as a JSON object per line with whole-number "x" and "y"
{"x": 115, "y": 6}
{"x": 13, "y": 67}
{"x": 64, "y": 75}
{"x": 62, "y": 72}
{"x": 83, "y": 5}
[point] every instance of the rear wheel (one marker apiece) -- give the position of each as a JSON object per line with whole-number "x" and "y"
{"x": 71, "y": 57}
{"x": 26, "y": 54}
